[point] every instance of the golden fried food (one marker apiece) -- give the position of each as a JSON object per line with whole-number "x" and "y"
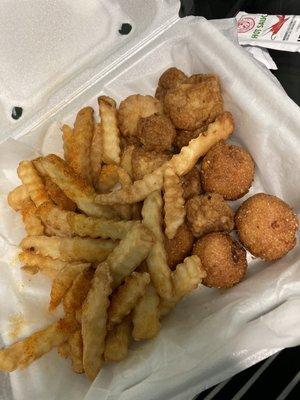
{"x": 157, "y": 259}
{"x": 16, "y": 197}
{"x": 223, "y": 259}
{"x": 191, "y": 106}
{"x": 182, "y": 163}
{"x": 191, "y": 183}
{"x": 201, "y": 78}
{"x": 117, "y": 341}
{"x": 145, "y": 162}
{"x": 96, "y": 154}
{"x": 126, "y": 297}
{"x": 173, "y": 203}
{"x": 169, "y": 79}
{"x": 126, "y": 159}
{"x": 94, "y": 319}
{"x": 32, "y": 223}
{"x": 110, "y": 176}
{"x": 78, "y": 291}
{"x": 58, "y": 196}
{"x": 179, "y": 247}
{"x": 145, "y": 316}
{"x": 78, "y": 153}
{"x": 76, "y": 351}
{"x": 227, "y": 170}
{"x": 156, "y": 133}
{"x": 132, "y": 109}
{"x": 266, "y": 226}
{"x": 67, "y": 136}
{"x": 183, "y": 137}
{"x": 209, "y": 213}
{"x": 110, "y": 131}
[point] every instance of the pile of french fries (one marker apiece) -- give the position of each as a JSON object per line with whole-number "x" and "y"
{"x": 99, "y": 236}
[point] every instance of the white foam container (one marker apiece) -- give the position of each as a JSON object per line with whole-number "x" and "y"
{"x": 57, "y": 56}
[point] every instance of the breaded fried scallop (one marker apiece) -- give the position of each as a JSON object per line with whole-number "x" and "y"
{"x": 183, "y": 137}
{"x": 191, "y": 106}
{"x": 227, "y": 170}
{"x": 223, "y": 259}
{"x": 208, "y": 213}
{"x": 191, "y": 183}
{"x": 169, "y": 79}
{"x": 179, "y": 247}
{"x": 144, "y": 162}
{"x": 266, "y": 226}
{"x": 156, "y": 133}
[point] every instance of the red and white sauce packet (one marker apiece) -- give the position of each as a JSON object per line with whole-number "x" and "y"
{"x": 281, "y": 32}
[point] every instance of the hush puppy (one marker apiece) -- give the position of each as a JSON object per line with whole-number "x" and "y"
{"x": 169, "y": 79}
{"x": 223, "y": 259}
{"x": 179, "y": 247}
{"x": 227, "y": 170}
{"x": 266, "y": 226}
{"x": 209, "y": 213}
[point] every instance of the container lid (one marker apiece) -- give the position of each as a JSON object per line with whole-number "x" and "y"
{"x": 53, "y": 50}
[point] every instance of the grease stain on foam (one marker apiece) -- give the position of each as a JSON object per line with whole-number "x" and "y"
{"x": 16, "y": 325}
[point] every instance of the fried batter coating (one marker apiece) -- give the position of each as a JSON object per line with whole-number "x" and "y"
{"x": 266, "y": 226}
{"x": 183, "y": 138}
{"x": 156, "y": 133}
{"x": 191, "y": 183}
{"x": 132, "y": 109}
{"x": 144, "y": 162}
{"x": 227, "y": 170}
{"x": 169, "y": 79}
{"x": 191, "y": 106}
{"x": 200, "y": 78}
{"x": 179, "y": 247}
{"x": 223, "y": 259}
{"x": 209, "y": 213}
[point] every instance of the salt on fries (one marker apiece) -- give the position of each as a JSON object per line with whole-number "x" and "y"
{"x": 89, "y": 236}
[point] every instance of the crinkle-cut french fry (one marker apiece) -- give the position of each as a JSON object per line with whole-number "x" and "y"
{"x": 33, "y": 224}
{"x": 33, "y": 183}
{"x": 80, "y": 146}
{"x": 55, "y": 217}
{"x": 182, "y": 163}
{"x": 157, "y": 259}
{"x": 129, "y": 253}
{"x": 58, "y": 196}
{"x": 24, "y": 352}
{"x": 78, "y": 315}
{"x": 16, "y": 197}
{"x": 126, "y": 159}
{"x": 69, "y": 249}
{"x": 126, "y": 296}
{"x": 96, "y": 153}
{"x": 110, "y": 176}
{"x": 63, "y": 281}
{"x": 82, "y": 225}
{"x": 145, "y": 316}
{"x": 117, "y": 341}
{"x": 187, "y": 276}
{"x": 77, "y": 293}
{"x": 110, "y": 130}
{"x": 174, "y": 203}
{"x": 67, "y": 136}
{"x": 74, "y": 187}
{"x": 76, "y": 351}
{"x": 94, "y": 319}
{"x": 46, "y": 265}
{"x": 64, "y": 350}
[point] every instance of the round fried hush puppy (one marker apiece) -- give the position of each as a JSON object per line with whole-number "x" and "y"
{"x": 179, "y": 247}
{"x": 132, "y": 109}
{"x": 227, "y": 170}
{"x": 223, "y": 259}
{"x": 266, "y": 226}
{"x": 169, "y": 79}
{"x": 190, "y": 106}
{"x": 209, "y": 213}
{"x": 191, "y": 183}
{"x": 156, "y": 133}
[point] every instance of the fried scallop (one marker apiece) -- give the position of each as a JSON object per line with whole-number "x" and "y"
{"x": 223, "y": 259}
{"x": 183, "y": 137}
{"x": 179, "y": 247}
{"x": 169, "y": 79}
{"x": 191, "y": 106}
{"x": 132, "y": 109}
{"x": 209, "y": 213}
{"x": 156, "y": 133}
{"x": 228, "y": 170}
{"x": 204, "y": 78}
{"x": 191, "y": 183}
{"x": 266, "y": 226}
{"x": 144, "y": 162}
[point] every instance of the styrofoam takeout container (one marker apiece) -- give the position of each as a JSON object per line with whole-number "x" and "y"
{"x": 57, "y": 56}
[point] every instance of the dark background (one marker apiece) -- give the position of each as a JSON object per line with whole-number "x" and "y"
{"x": 288, "y": 64}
